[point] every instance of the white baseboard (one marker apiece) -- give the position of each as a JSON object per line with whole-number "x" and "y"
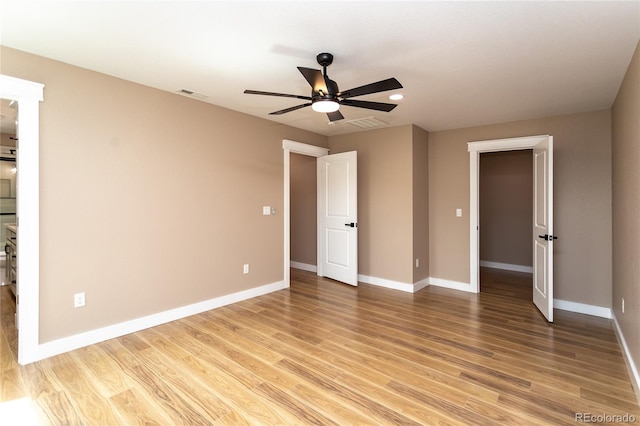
{"x": 87, "y": 338}
{"x": 303, "y": 266}
{"x": 581, "y": 308}
{"x": 420, "y": 284}
{"x": 454, "y": 285}
{"x": 564, "y": 305}
{"x": 394, "y": 285}
{"x": 506, "y": 266}
{"x": 380, "y": 282}
{"x": 634, "y": 376}
{"x": 383, "y": 282}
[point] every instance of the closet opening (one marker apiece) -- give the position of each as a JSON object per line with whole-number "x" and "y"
{"x": 506, "y": 214}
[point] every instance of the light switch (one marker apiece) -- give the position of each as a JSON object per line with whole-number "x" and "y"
{"x": 458, "y": 212}
{"x": 266, "y": 210}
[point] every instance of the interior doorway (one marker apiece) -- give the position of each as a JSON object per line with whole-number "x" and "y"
{"x": 542, "y": 224}
{"x": 8, "y": 205}
{"x": 506, "y": 215}
{"x": 304, "y": 212}
{"x": 292, "y": 147}
{"x": 28, "y": 96}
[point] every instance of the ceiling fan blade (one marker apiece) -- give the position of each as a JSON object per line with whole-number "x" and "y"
{"x": 335, "y": 116}
{"x": 283, "y": 95}
{"x": 282, "y": 111}
{"x": 379, "y": 86}
{"x": 379, "y": 106}
{"x": 315, "y": 79}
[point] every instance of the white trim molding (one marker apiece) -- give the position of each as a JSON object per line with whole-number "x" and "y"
{"x": 563, "y": 305}
{"x": 454, "y": 285}
{"x": 582, "y": 308}
{"x": 92, "y": 337}
{"x": 304, "y": 266}
{"x": 506, "y": 266}
{"x": 304, "y": 149}
{"x": 29, "y": 95}
{"x": 380, "y": 282}
{"x": 394, "y": 285}
{"x": 419, "y": 285}
{"x": 289, "y": 147}
{"x": 634, "y": 376}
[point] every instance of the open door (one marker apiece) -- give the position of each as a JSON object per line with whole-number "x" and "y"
{"x": 338, "y": 217}
{"x": 543, "y": 227}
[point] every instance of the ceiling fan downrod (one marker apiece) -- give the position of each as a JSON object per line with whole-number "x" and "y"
{"x": 324, "y": 59}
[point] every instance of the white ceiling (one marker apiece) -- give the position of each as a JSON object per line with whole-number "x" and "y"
{"x": 461, "y": 63}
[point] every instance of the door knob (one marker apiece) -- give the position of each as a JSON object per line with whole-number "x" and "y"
{"x": 351, "y": 225}
{"x": 548, "y": 237}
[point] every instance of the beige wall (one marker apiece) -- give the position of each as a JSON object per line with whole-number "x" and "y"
{"x": 506, "y": 207}
{"x": 304, "y": 214}
{"x": 626, "y": 207}
{"x": 582, "y": 200}
{"x": 385, "y": 212}
{"x": 420, "y": 168}
{"x": 5, "y": 139}
{"x": 148, "y": 200}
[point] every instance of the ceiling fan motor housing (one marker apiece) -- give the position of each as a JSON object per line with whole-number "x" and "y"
{"x": 325, "y": 59}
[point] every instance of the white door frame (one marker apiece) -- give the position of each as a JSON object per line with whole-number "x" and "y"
{"x": 290, "y": 147}
{"x": 475, "y": 149}
{"x": 29, "y": 95}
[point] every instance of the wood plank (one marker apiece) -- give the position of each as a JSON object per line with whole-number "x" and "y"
{"x": 169, "y": 401}
{"x": 376, "y": 410}
{"x": 90, "y": 405}
{"x": 252, "y": 408}
{"x": 134, "y": 409}
{"x": 59, "y": 409}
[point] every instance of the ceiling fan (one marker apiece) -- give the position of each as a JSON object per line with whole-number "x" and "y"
{"x": 326, "y": 97}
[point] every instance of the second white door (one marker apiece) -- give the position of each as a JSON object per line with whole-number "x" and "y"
{"x": 543, "y": 227}
{"x": 338, "y": 217}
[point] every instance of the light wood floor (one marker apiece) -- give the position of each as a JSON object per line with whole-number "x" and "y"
{"x": 326, "y": 353}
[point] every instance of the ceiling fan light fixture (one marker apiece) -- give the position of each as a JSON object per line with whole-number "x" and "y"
{"x": 325, "y": 106}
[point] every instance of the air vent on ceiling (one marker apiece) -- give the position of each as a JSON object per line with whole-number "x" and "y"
{"x": 367, "y": 122}
{"x": 191, "y": 93}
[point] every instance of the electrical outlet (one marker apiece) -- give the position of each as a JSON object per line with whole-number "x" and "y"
{"x": 417, "y": 263}
{"x": 78, "y": 300}
{"x": 623, "y": 305}
{"x": 245, "y": 268}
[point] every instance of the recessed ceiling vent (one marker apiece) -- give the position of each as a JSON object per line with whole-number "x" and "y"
{"x": 367, "y": 122}
{"x": 191, "y": 93}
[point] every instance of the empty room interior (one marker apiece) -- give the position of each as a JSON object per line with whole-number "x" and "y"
{"x": 319, "y": 212}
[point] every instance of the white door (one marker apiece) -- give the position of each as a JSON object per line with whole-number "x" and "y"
{"x": 338, "y": 217}
{"x": 543, "y": 227}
